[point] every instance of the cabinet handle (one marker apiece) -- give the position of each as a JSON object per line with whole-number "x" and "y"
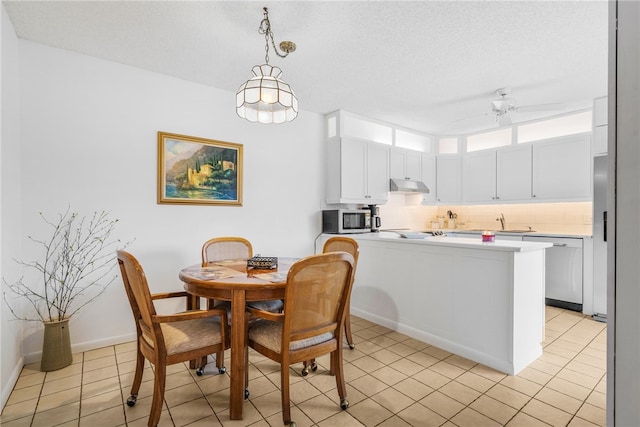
{"x": 560, "y": 244}
{"x": 533, "y": 195}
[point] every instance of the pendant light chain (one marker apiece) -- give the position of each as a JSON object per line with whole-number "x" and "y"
{"x": 265, "y": 28}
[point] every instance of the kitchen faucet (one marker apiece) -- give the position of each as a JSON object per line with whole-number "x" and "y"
{"x": 502, "y": 220}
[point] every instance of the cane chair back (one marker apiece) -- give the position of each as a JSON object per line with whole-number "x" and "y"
{"x": 166, "y": 339}
{"x": 311, "y": 324}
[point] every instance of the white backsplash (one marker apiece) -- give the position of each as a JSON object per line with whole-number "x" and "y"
{"x": 405, "y": 211}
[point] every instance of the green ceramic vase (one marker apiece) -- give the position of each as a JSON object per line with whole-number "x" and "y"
{"x": 56, "y": 347}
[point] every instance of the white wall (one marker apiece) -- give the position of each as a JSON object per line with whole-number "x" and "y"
{"x": 10, "y": 190}
{"x": 89, "y": 140}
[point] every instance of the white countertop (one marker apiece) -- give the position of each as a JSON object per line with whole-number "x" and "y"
{"x": 456, "y": 242}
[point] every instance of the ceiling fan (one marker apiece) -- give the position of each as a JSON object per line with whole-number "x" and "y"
{"x": 502, "y": 107}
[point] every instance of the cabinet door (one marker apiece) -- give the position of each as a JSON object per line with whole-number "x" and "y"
{"x": 600, "y": 140}
{"x": 562, "y": 168}
{"x": 448, "y": 178}
{"x": 377, "y": 176}
{"x": 479, "y": 176}
{"x": 404, "y": 164}
{"x": 412, "y": 165}
{"x": 396, "y": 164}
{"x": 513, "y": 173}
{"x": 353, "y": 171}
{"x": 428, "y": 176}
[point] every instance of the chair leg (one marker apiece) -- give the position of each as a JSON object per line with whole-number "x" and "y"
{"x": 137, "y": 378}
{"x": 158, "y": 393}
{"x": 338, "y": 368}
{"x": 284, "y": 393}
{"x": 347, "y": 332}
{"x": 193, "y": 303}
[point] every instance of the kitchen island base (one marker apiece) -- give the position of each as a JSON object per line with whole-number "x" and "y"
{"x": 484, "y": 302}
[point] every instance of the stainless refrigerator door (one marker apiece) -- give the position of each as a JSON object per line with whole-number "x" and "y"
{"x": 600, "y": 236}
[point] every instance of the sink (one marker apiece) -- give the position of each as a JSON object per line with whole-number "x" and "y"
{"x": 515, "y": 231}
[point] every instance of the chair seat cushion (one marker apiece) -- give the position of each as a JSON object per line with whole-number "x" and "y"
{"x": 274, "y": 306}
{"x": 189, "y": 335}
{"x": 269, "y": 335}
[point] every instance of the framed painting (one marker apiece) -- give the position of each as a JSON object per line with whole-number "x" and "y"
{"x": 198, "y": 171}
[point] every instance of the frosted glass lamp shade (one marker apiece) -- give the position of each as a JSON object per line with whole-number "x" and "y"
{"x": 265, "y": 98}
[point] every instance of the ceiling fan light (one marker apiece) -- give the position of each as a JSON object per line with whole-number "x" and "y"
{"x": 265, "y": 98}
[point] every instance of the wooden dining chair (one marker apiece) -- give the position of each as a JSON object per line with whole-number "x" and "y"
{"x": 167, "y": 339}
{"x": 350, "y": 246}
{"x": 312, "y": 323}
{"x": 221, "y": 248}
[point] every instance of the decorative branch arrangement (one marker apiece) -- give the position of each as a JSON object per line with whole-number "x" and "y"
{"x": 79, "y": 257}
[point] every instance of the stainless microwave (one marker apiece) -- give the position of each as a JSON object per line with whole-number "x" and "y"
{"x": 342, "y": 221}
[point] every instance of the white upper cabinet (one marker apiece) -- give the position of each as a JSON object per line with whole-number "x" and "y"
{"x": 428, "y": 162}
{"x": 562, "y": 168}
{"x": 357, "y": 172}
{"x": 404, "y": 164}
{"x": 479, "y": 176}
{"x": 513, "y": 173}
{"x": 448, "y": 178}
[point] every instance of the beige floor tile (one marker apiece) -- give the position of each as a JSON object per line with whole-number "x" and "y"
{"x": 442, "y": 404}
{"x": 383, "y": 341}
{"x": 389, "y": 375}
{"x": 493, "y": 409}
{"x": 102, "y": 386}
{"x": 431, "y": 378}
{"x": 56, "y": 386}
{"x": 461, "y": 362}
{"x": 413, "y": 389}
{"x": 125, "y": 347}
{"x": 106, "y": 418}
{"x": 142, "y": 409}
{"x": 99, "y": 374}
{"x": 324, "y": 383}
{"x": 381, "y": 329}
{"x": 488, "y": 373}
{"x": 509, "y": 396}
{"x": 554, "y": 359}
{"x": 523, "y": 420}
{"x": 559, "y": 400}
{"x": 394, "y": 421}
{"x": 368, "y": 364}
{"x": 19, "y": 422}
{"x": 535, "y": 375}
{"x": 182, "y": 394}
{"x": 579, "y": 422}
{"x": 436, "y": 352}
{"x": 165, "y": 421}
{"x": 320, "y": 408}
{"x": 341, "y": 419}
{"x": 100, "y": 402}
{"x": 401, "y": 349}
{"x": 475, "y": 381}
{"x": 368, "y": 385}
{"x": 19, "y": 410}
{"x": 351, "y": 355}
{"x": 369, "y": 412}
{"x": 593, "y": 414}
{"x": 219, "y": 401}
{"x": 210, "y": 421}
{"x": 270, "y": 403}
{"x": 423, "y": 359}
{"x": 406, "y": 366}
{"x": 392, "y": 400}
{"x": 470, "y": 417}
{"x": 569, "y": 388}
{"x": 367, "y": 334}
{"x": 191, "y": 411}
{"x": 353, "y": 395}
{"x": 447, "y": 369}
{"x": 99, "y": 353}
{"x": 24, "y": 394}
{"x": 578, "y": 378}
{"x": 460, "y": 392}
{"x": 597, "y": 399}
{"x": 57, "y": 415}
{"x": 522, "y": 385}
{"x": 296, "y": 415}
{"x": 257, "y": 386}
{"x": 385, "y": 356}
{"x": 419, "y": 415}
{"x": 29, "y": 378}
{"x": 544, "y": 366}
{"x": 547, "y": 413}
{"x": 585, "y": 369}
{"x": 61, "y": 398}
{"x": 415, "y": 344}
{"x": 99, "y": 363}
{"x": 304, "y": 390}
{"x": 73, "y": 369}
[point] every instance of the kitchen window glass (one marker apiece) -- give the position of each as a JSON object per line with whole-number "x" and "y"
{"x": 448, "y": 146}
{"x": 561, "y": 126}
{"x": 413, "y": 141}
{"x": 493, "y": 139}
{"x": 364, "y": 129}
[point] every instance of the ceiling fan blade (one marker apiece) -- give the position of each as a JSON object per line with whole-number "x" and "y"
{"x": 504, "y": 120}
{"x": 540, "y": 107}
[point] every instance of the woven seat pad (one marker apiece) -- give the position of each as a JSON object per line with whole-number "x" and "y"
{"x": 269, "y": 335}
{"x": 274, "y": 306}
{"x": 189, "y": 335}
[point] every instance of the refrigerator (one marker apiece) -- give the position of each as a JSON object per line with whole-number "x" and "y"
{"x": 600, "y": 169}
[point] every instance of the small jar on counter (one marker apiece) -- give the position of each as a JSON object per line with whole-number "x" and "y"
{"x": 488, "y": 236}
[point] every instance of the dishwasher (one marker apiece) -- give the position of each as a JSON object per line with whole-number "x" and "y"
{"x": 563, "y": 271}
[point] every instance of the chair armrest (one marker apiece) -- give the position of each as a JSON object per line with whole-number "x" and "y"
{"x": 190, "y": 315}
{"x": 164, "y": 295}
{"x": 267, "y": 315}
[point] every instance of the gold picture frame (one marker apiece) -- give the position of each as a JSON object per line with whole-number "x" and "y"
{"x": 199, "y": 171}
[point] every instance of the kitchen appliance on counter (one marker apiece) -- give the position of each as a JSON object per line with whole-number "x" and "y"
{"x": 343, "y": 221}
{"x": 376, "y": 222}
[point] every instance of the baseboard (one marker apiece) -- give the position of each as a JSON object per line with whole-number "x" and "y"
{"x": 83, "y": 346}
{"x": 11, "y": 382}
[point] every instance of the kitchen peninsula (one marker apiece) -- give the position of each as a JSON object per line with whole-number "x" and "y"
{"x": 482, "y": 301}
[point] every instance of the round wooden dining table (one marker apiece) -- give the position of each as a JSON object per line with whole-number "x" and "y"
{"x": 231, "y": 280}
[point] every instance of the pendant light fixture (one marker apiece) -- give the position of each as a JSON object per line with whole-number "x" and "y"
{"x": 265, "y": 97}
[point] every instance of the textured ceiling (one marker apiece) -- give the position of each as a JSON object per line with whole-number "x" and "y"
{"x": 419, "y": 64}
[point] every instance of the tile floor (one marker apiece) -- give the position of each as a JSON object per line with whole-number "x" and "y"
{"x": 393, "y": 380}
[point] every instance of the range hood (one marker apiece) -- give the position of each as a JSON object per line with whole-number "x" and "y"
{"x": 407, "y": 186}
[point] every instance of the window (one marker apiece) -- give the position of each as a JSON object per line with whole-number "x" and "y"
{"x": 493, "y": 139}
{"x": 561, "y": 126}
{"x": 448, "y": 146}
{"x": 413, "y": 141}
{"x": 364, "y": 129}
